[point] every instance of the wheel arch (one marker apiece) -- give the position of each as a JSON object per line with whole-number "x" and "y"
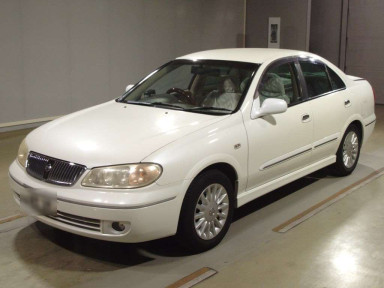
{"x": 360, "y": 126}
{"x": 227, "y": 169}
{"x": 356, "y": 120}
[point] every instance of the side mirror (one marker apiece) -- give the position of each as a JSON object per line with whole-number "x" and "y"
{"x": 269, "y": 106}
{"x": 129, "y": 87}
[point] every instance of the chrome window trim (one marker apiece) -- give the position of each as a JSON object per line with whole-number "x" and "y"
{"x": 324, "y": 94}
{"x": 307, "y": 59}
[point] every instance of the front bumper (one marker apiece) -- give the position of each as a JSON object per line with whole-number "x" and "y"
{"x": 144, "y": 219}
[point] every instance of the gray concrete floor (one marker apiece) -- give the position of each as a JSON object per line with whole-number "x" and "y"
{"x": 339, "y": 247}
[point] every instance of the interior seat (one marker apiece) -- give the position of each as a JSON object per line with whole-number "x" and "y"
{"x": 273, "y": 87}
{"x": 228, "y": 99}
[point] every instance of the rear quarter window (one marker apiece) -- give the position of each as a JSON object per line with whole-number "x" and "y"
{"x": 336, "y": 81}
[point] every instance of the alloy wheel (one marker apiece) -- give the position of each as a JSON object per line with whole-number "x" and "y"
{"x": 211, "y": 211}
{"x": 350, "y": 149}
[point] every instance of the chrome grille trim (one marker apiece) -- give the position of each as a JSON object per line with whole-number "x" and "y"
{"x": 77, "y": 221}
{"x": 53, "y": 170}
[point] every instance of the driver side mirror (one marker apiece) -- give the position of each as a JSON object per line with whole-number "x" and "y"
{"x": 129, "y": 87}
{"x": 269, "y": 106}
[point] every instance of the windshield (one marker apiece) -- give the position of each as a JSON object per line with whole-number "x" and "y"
{"x": 203, "y": 86}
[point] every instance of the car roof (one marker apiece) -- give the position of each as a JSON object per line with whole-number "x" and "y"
{"x": 251, "y": 55}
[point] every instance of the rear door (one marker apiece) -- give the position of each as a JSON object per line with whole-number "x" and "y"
{"x": 330, "y": 103}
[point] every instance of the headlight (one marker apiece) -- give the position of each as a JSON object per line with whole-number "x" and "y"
{"x": 22, "y": 155}
{"x": 123, "y": 176}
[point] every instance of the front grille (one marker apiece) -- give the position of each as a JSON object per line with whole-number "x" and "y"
{"x": 53, "y": 170}
{"x": 77, "y": 221}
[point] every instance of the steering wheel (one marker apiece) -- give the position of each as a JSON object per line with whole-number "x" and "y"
{"x": 182, "y": 95}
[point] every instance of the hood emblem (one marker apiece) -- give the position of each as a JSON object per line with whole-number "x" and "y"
{"x": 47, "y": 169}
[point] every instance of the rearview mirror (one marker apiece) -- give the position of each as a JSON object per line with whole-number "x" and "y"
{"x": 269, "y": 106}
{"x": 129, "y": 87}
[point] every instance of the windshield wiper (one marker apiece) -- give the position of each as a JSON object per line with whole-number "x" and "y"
{"x": 209, "y": 108}
{"x": 165, "y": 105}
{"x": 155, "y": 104}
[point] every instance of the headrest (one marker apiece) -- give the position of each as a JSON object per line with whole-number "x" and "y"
{"x": 273, "y": 86}
{"x": 229, "y": 86}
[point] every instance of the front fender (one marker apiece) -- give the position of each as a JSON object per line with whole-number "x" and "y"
{"x": 185, "y": 158}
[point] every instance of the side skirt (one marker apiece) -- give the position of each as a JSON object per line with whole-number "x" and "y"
{"x": 254, "y": 193}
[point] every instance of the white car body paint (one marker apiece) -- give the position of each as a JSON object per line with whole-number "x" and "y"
{"x": 92, "y": 136}
{"x": 266, "y": 152}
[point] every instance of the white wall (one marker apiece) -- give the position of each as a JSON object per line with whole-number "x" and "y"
{"x": 60, "y": 56}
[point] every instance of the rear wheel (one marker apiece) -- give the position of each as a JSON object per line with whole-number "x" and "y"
{"x": 348, "y": 153}
{"x": 206, "y": 212}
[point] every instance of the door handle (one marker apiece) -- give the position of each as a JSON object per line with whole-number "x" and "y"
{"x": 347, "y": 103}
{"x": 305, "y": 118}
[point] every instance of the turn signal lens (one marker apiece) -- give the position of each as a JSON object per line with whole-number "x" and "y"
{"x": 123, "y": 176}
{"x": 22, "y": 154}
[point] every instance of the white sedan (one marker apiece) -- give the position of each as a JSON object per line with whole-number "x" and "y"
{"x": 197, "y": 138}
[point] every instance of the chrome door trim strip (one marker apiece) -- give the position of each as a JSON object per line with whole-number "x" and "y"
{"x": 370, "y": 123}
{"x": 300, "y": 151}
{"x": 286, "y": 157}
{"x": 326, "y": 142}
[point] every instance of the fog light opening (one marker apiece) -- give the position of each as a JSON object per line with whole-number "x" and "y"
{"x": 115, "y": 227}
{"x": 119, "y": 227}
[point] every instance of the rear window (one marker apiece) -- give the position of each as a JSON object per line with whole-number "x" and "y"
{"x": 316, "y": 78}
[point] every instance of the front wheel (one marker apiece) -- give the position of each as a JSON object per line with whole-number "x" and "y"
{"x": 206, "y": 212}
{"x": 348, "y": 153}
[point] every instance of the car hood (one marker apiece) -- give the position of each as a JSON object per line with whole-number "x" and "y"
{"x": 114, "y": 133}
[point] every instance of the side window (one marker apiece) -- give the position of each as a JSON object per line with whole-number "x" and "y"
{"x": 316, "y": 78}
{"x": 336, "y": 81}
{"x": 280, "y": 82}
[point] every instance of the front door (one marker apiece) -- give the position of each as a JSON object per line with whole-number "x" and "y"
{"x": 279, "y": 144}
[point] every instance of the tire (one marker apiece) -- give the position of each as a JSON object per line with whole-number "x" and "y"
{"x": 348, "y": 153}
{"x": 204, "y": 232}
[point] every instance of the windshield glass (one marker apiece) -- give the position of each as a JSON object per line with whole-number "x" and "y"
{"x": 203, "y": 86}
